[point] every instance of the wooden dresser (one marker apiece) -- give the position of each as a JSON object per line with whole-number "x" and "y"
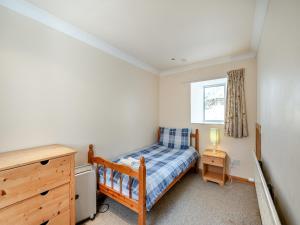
{"x": 37, "y": 186}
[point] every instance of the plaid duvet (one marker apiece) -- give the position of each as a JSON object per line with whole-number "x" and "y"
{"x": 163, "y": 165}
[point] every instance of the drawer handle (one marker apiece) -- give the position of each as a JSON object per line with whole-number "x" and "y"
{"x": 2, "y": 193}
{"x": 44, "y": 193}
{"x": 44, "y": 162}
{"x": 45, "y": 222}
{"x": 212, "y": 161}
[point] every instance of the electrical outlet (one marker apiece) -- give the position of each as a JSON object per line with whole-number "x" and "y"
{"x": 235, "y": 163}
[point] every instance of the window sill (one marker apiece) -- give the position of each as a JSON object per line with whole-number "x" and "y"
{"x": 208, "y": 123}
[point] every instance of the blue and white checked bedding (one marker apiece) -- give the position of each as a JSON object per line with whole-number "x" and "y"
{"x": 163, "y": 165}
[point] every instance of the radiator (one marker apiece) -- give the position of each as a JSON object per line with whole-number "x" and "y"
{"x": 267, "y": 209}
{"x": 85, "y": 178}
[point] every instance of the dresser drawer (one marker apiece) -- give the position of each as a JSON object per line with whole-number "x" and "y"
{"x": 39, "y": 209}
{"x": 62, "y": 219}
{"x": 26, "y": 181}
{"x": 214, "y": 161}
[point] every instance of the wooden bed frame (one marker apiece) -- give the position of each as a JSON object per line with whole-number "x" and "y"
{"x": 138, "y": 206}
{"x": 258, "y": 141}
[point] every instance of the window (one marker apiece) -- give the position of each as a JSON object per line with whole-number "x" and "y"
{"x": 208, "y": 101}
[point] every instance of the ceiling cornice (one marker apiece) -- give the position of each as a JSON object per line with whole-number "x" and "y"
{"x": 260, "y": 13}
{"x": 210, "y": 62}
{"x": 27, "y": 9}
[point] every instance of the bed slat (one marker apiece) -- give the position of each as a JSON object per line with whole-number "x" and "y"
{"x": 104, "y": 171}
{"x": 112, "y": 178}
{"x": 121, "y": 180}
{"x": 130, "y": 187}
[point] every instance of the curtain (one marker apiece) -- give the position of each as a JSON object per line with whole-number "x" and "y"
{"x": 235, "y": 114}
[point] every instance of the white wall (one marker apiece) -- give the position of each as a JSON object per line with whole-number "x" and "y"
{"x": 55, "y": 89}
{"x": 174, "y": 110}
{"x": 279, "y": 104}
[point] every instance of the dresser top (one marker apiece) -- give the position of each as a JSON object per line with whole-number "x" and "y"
{"x": 22, "y": 157}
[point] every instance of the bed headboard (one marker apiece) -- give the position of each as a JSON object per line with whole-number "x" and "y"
{"x": 193, "y": 136}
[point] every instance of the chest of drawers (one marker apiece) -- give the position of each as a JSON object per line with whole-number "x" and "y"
{"x": 37, "y": 186}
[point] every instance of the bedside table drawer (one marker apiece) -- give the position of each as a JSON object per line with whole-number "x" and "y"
{"x": 214, "y": 161}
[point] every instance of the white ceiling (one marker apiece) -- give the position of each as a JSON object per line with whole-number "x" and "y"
{"x": 154, "y": 31}
{"x": 148, "y": 33}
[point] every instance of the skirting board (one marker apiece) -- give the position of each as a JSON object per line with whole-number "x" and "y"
{"x": 240, "y": 180}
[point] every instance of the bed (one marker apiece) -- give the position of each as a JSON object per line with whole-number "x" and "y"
{"x": 160, "y": 167}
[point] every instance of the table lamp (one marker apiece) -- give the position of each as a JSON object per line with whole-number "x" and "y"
{"x": 214, "y": 137}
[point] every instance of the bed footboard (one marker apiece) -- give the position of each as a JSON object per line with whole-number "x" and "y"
{"x": 138, "y": 206}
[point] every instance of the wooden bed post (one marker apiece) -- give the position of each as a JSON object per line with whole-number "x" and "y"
{"x": 197, "y": 140}
{"x": 196, "y": 168}
{"x": 91, "y": 154}
{"x": 158, "y": 135}
{"x": 258, "y": 141}
{"x": 142, "y": 193}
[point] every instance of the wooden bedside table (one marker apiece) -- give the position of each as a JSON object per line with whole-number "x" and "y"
{"x": 214, "y": 166}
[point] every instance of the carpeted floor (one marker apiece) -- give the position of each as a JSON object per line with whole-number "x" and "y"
{"x": 192, "y": 202}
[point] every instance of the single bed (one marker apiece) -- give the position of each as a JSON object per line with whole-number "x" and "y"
{"x": 160, "y": 168}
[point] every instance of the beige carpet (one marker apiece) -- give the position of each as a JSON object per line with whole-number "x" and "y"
{"x": 192, "y": 201}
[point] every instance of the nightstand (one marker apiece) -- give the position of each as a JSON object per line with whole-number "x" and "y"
{"x": 214, "y": 166}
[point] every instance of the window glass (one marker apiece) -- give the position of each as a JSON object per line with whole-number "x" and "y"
{"x": 214, "y": 103}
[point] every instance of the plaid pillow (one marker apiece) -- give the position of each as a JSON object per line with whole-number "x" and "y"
{"x": 175, "y": 138}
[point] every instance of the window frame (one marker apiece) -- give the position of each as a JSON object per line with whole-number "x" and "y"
{"x": 209, "y": 86}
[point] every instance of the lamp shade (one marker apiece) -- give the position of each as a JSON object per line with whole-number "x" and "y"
{"x": 214, "y": 136}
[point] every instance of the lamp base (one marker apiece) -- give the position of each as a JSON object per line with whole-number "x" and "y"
{"x": 214, "y": 149}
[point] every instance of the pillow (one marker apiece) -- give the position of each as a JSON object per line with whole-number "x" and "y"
{"x": 175, "y": 138}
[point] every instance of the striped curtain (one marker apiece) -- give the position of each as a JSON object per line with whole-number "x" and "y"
{"x": 235, "y": 114}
